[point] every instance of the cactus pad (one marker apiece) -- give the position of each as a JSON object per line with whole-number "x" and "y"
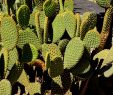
{"x": 69, "y": 5}
{"x": 73, "y": 52}
{"x": 8, "y": 32}
{"x": 23, "y": 16}
{"x": 104, "y": 3}
{"x": 49, "y": 7}
{"x": 5, "y": 87}
{"x": 47, "y": 60}
{"x": 89, "y": 20}
{"x": 56, "y": 67}
{"x": 58, "y": 27}
{"x": 52, "y": 49}
{"x": 92, "y": 39}
{"x": 26, "y": 37}
{"x": 70, "y": 23}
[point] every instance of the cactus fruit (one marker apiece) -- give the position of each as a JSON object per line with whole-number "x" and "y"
{"x": 101, "y": 55}
{"x": 70, "y": 23}
{"x": 26, "y": 37}
{"x": 49, "y": 7}
{"x": 92, "y": 39}
{"x": 30, "y": 53}
{"x": 56, "y": 63}
{"x": 89, "y": 20}
{"x": 8, "y": 33}
{"x": 62, "y": 44}
{"x": 78, "y": 19}
{"x": 52, "y": 49}
{"x": 34, "y": 88}
{"x": 73, "y": 52}
{"x": 13, "y": 58}
{"x": 5, "y": 87}
{"x": 15, "y": 72}
{"x": 58, "y": 27}
{"x": 23, "y": 16}
{"x": 104, "y": 3}
{"x": 69, "y": 5}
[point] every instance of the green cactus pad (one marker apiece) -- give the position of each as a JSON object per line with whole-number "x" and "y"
{"x": 49, "y": 7}
{"x": 52, "y": 49}
{"x": 47, "y": 60}
{"x": 34, "y": 88}
{"x": 30, "y": 53}
{"x": 8, "y": 33}
{"x": 69, "y": 5}
{"x": 13, "y": 58}
{"x": 23, "y": 16}
{"x": 56, "y": 86}
{"x": 104, "y": 3}
{"x": 78, "y": 18}
{"x": 56, "y": 67}
{"x": 109, "y": 72}
{"x": 32, "y": 19}
{"x": 73, "y": 52}
{"x": 26, "y": 37}
{"x": 15, "y": 72}
{"x": 70, "y": 23}
{"x": 58, "y": 27}
{"x": 5, "y": 87}
{"x": 23, "y": 79}
{"x": 83, "y": 65}
{"x": 109, "y": 58}
{"x": 89, "y": 20}
{"x": 92, "y": 39}
{"x": 62, "y": 44}
{"x": 101, "y": 55}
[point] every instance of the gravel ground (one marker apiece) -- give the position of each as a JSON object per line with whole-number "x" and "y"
{"x": 82, "y": 6}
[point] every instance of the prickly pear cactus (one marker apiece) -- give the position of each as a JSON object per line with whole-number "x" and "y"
{"x": 52, "y": 49}
{"x": 23, "y": 16}
{"x": 58, "y": 27}
{"x": 92, "y": 39}
{"x": 69, "y": 5}
{"x": 49, "y": 7}
{"x": 47, "y": 60}
{"x": 5, "y": 87}
{"x": 89, "y": 20}
{"x": 8, "y": 33}
{"x": 26, "y": 37}
{"x": 104, "y": 3}
{"x": 70, "y": 23}
{"x": 56, "y": 63}
{"x": 73, "y": 52}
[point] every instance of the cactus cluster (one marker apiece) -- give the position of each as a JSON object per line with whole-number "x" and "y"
{"x": 33, "y": 45}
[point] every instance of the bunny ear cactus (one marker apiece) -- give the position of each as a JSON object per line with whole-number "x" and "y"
{"x": 56, "y": 63}
{"x": 106, "y": 27}
{"x": 52, "y": 49}
{"x": 23, "y": 16}
{"x": 78, "y": 21}
{"x": 70, "y": 23}
{"x": 104, "y": 3}
{"x": 49, "y": 7}
{"x": 26, "y": 37}
{"x": 9, "y": 34}
{"x": 47, "y": 60}
{"x": 92, "y": 39}
{"x": 15, "y": 72}
{"x": 69, "y": 5}
{"x": 5, "y": 87}
{"x": 73, "y": 52}
{"x": 89, "y": 20}
{"x": 58, "y": 27}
